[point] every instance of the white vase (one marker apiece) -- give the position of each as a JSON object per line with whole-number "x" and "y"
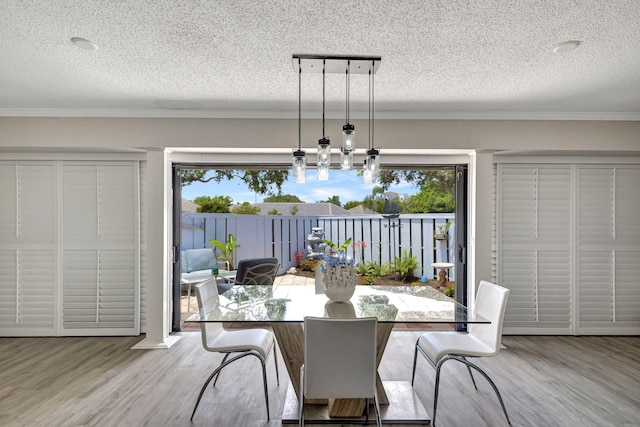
{"x": 339, "y": 282}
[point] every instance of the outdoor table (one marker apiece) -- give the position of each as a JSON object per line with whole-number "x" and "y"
{"x": 285, "y": 307}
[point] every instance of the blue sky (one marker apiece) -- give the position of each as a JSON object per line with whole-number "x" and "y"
{"x": 345, "y": 184}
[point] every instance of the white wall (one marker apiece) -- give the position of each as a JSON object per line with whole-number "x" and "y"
{"x": 565, "y": 138}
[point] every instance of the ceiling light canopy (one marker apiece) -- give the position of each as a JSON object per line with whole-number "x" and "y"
{"x": 84, "y": 43}
{"x": 346, "y": 65}
{"x": 567, "y": 46}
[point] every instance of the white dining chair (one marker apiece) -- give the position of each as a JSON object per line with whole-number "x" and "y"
{"x": 339, "y": 361}
{"x": 234, "y": 344}
{"x": 481, "y": 340}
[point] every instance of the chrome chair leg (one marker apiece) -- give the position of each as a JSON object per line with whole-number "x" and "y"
{"x": 301, "y": 398}
{"x": 264, "y": 381}
{"x": 415, "y": 359}
{"x": 224, "y": 359}
{"x": 275, "y": 362}
{"x": 469, "y": 365}
{"x": 470, "y": 374}
{"x": 219, "y": 368}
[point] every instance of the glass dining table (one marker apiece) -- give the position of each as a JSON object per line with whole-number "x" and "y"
{"x": 284, "y": 307}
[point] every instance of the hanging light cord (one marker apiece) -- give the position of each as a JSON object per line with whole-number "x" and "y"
{"x": 373, "y": 83}
{"x": 323, "y": 70}
{"x": 348, "y": 85}
{"x": 369, "y": 109}
{"x": 299, "y": 105}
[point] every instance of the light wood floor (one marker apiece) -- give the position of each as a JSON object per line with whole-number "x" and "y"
{"x": 545, "y": 381}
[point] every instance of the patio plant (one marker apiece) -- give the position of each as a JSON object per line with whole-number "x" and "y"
{"x": 226, "y": 250}
{"x": 443, "y": 231}
{"x": 405, "y": 264}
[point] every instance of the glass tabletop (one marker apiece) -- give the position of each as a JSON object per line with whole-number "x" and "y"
{"x": 291, "y": 303}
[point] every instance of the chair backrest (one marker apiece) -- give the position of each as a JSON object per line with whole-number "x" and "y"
{"x": 491, "y": 303}
{"x": 339, "y": 357}
{"x": 261, "y": 274}
{"x": 208, "y": 299}
{"x": 245, "y": 264}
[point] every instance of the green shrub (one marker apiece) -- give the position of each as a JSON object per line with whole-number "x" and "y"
{"x": 367, "y": 279}
{"x": 379, "y": 270}
{"x": 405, "y": 264}
{"x": 309, "y": 264}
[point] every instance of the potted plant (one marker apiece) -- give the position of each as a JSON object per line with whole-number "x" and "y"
{"x": 226, "y": 250}
{"x": 443, "y": 231}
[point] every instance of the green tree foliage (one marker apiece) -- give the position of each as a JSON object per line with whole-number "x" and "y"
{"x": 216, "y": 204}
{"x": 431, "y": 198}
{"x": 294, "y": 209}
{"x": 283, "y": 198}
{"x": 258, "y": 181}
{"x": 245, "y": 208}
{"x": 351, "y": 204}
{"x": 335, "y": 200}
{"x": 273, "y": 212}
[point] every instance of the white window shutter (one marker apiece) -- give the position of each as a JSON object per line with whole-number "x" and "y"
{"x": 27, "y": 257}
{"x": 534, "y": 255}
{"x": 100, "y": 271}
{"x": 609, "y": 245}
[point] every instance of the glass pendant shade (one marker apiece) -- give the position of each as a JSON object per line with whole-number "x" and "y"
{"x": 323, "y": 172}
{"x": 349, "y": 137}
{"x": 299, "y": 167}
{"x": 371, "y": 166}
{"x": 346, "y": 159}
{"x": 324, "y": 152}
{"x": 324, "y": 159}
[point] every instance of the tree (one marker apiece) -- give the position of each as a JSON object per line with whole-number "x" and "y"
{"x": 294, "y": 209}
{"x": 274, "y": 212}
{"x": 283, "y": 198}
{"x": 258, "y": 181}
{"x": 441, "y": 179}
{"x": 335, "y": 200}
{"x": 351, "y": 204}
{"x": 216, "y": 204}
{"x": 245, "y": 208}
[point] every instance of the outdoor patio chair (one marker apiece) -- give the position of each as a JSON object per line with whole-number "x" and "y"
{"x": 481, "y": 340}
{"x": 257, "y": 271}
{"x": 234, "y": 344}
{"x": 339, "y": 361}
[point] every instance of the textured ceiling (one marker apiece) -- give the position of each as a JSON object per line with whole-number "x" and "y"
{"x": 449, "y": 58}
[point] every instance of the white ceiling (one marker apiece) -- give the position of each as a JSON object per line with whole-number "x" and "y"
{"x": 224, "y": 58}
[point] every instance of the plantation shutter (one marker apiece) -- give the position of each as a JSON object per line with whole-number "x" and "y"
{"x": 100, "y": 271}
{"x": 609, "y": 246}
{"x": 534, "y": 247}
{"x": 27, "y": 258}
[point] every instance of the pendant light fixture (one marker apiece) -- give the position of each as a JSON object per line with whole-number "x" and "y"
{"x": 299, "y": 158}
{"x": 372, "y": 161}
{"x": 346, "y": 65}
{"x": 324, "y": 145}
{"x": 348, "y": 130}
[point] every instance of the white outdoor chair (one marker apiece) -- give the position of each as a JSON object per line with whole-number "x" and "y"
{"x": 481, "y": 340}
{"x": 237, "y": 344}
{"x": 339, "y": 361}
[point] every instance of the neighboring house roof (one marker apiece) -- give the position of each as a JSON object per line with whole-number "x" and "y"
{"x": 362, "y": 210}
{"x": 304, "y": 209}
{"x": 189, "y": 206}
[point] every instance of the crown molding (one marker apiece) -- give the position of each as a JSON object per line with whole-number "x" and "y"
{"x": 312, "y": 114}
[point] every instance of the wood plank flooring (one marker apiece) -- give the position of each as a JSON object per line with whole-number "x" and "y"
{"x": 89, "y": 381}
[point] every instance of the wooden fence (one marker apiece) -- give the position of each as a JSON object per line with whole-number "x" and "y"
{"x": 283, "y": 236}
